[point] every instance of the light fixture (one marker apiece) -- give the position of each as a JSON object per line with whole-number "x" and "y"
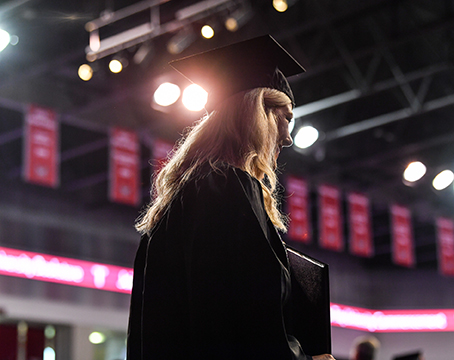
{"x": 280, "y": 5}
{"x": 4, "y": 39}
{"x": 207, "y": 31}
{"x": 49, "y": 353}
{"x": 414, "y": 171}
{"x": 181, "y": 41}
{"x": 85, "y": 72}
{"x": 115, "y": 66}
{"x": 194, "y": 97}
{"x": 238, "y": 18}
{"x": 306, "y": 137}
{"x": 166, "y": 94}
{"x": 443, "y": 180}
{"x": 97, "y": 337}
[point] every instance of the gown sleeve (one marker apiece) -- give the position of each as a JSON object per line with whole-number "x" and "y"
{"x": 234, "y": 278}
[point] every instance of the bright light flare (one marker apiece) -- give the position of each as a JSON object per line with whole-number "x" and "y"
{"x": 443, "y": 180}
{"x": 115, "y": 66}
{"x": 85, "y": 72}
{"x": 166, "y": 94}
{"x": 306, "y": 136}
{"x": 96, "y": 337}
{"x": 4, "y": 39}
{"x": 207, "y": 32}
{"x": 414, "y": 171}
{"x": 280, "y": 5}
{"x": 194, "y": 97}
{"x": 49, "y": 353}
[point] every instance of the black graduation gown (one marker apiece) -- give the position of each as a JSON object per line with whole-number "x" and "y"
{"x": 212, "y": 278}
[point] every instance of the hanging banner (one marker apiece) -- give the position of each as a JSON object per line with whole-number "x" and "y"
{"x": 361, "y": 243}
{"x": 161, "y": 151}
{"x": 41, "y": 142}
{"x": 402, "y": 236}
{"x": 298, "y": 209}
{"x": 445, "y": 237}
{"x": 124, "y": 166}
{"x": 330, "y": 218}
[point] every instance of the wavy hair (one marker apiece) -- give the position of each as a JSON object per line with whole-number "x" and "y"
{"x": 241, "y": 132}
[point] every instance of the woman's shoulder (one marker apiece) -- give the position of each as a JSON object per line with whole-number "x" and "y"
{"x": 223, "y": 174}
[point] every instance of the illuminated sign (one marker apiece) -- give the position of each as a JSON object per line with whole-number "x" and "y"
{"x": 88, "y": 274}
{"x": 392, "y": 320}
{"x": 61, "y": 270}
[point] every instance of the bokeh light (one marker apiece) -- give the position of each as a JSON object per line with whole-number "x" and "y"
{"x": 414, "y": 171}
{"x": 306, "y": 136}
{"x": 85, "y": 72}
{"x": 207, "y": 32}
{"x": 166, "y": 94}
{"x": 194, "y": 97}
{"x": 443, "y": 180}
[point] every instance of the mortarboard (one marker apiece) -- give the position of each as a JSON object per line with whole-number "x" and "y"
{"x": 225, "y": 71}
{"x": 413, "y": 356}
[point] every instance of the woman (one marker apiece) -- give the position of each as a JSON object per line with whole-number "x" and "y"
{"x": 211, "y": 276}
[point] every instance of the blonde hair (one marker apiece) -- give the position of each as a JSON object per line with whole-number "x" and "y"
{"x": 243, "y": 133}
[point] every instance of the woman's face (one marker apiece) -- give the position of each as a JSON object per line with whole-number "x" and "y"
{"x": 284, "y": 115}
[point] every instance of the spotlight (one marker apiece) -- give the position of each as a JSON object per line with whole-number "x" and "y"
{"x": 96, "y": 337}
{"x": 443, "y": 180}
{"x": 181, "y": 41}
{"x": 85, "y": 72}
{"x": 194, "y": 97}
{"x": 238, "y": 19}
{"x": 306, "y": 137}
{"x": 414, "y": 171}
{"x": 166, "y": 94}
{"x": 280, "y": 5}
{"x": 207, "y": 31}
{"x": 4, "y": 39}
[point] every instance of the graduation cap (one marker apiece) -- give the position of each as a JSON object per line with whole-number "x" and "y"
{"x": 412, "y": 356}
{"x": 225, "y": 71}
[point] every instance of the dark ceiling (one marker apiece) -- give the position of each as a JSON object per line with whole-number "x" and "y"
{"x": 379, "y": 85}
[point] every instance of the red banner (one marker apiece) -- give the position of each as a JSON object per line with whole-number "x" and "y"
{"x": 161, "y": 151}
{"x": 124, "y": 166}
{"x": 402, "y": 236}
{"x": 298, "y": 209}
{"x": 361, "y": 243}
{"x": 330, "y": 218}
{"x": 445, "y": 235}
{"x": 41, "y": 147}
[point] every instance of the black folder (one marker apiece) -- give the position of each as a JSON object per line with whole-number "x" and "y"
{"x": 309, "y": 314}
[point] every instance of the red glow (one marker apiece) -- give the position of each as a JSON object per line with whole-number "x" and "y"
{"x": 88, "y": 274}
{"x": 67, "y": 271}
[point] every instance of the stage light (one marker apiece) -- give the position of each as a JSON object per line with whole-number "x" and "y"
{"x": 181, "y": 41}
{"x": 115, "y": 66}
{"x": 280, "y": 5}
{"x": 194, "y": 97}
{"x": 85, "y": 72}
{"x": 166, "y": 94}
{"x": 414, "y": 171}
{"x": 4, "y": 39}
{"x": 49, "y": 353}
{"x": 49, "y": 332}
{"x": 207, "y": 31}
{"x": 306, "y": 136}
{"x": 443, "y": 180}
{"x": 96, "y": 337}
{"x": 238, "y": 19}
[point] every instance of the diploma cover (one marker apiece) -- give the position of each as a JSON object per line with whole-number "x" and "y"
{"x": 310, "y": 303}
